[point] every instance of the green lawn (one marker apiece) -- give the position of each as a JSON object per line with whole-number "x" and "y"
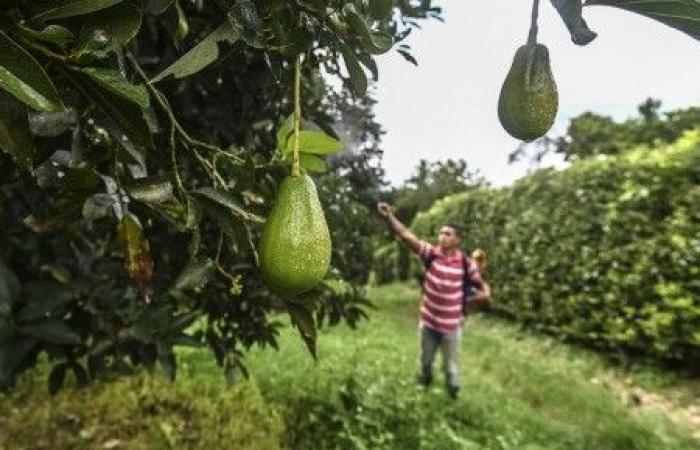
{"x": 520, "y": 391}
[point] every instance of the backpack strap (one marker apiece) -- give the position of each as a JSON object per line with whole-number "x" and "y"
{"x": 427, "y": 262}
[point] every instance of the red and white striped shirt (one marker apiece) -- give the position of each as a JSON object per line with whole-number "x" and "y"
{"x": 441, "y": 303}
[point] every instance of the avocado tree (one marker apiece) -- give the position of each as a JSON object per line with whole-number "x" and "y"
{"x": 143, "y": 143}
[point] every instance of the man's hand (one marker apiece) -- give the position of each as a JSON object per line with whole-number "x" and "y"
{"x": 385, "y": 209}
{"x": 387, "y": 212}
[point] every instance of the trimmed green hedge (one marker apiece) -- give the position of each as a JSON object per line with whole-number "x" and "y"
{"x": 605, "y": 252}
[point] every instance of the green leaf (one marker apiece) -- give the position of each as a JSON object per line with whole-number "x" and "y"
{"x": 74, "y": 8}
{"x": 57, "y": 377}
{"x": 15, "y": 137}
{"x": 52, "y": 34}
{"x": 316, "y": 142}
{"x": 226, "y": 200}
{"x": 127, "y": 117}
{"x": 202, "y": 54}
{"x": 285, "y": 130}
{"x": 98, "y": 206}
{"x": 381, "y": 42}
{"x": 22, "y": 76}
{"x": 683, "y": 15}
{"x": 113, "y": 81}
{"x": 195, "y": 274}
{"x": 302, "y": 318}
{"x": 312, "y": 163}
{"x": 183, "y": 25}
{"x": 81, "y": 376}
{"x": 55, "y": 331}
{"x": 570, "y": 12}
{"x": 181, "y": 322}
{"x": 42, "y": 299}
{"x": 14, "y": 352}
{"x": 9, "y": 289}
{"x": 157, "y": 7}
{"x": 111, "y": 28}
{"x": 358, "y": 79}
{"x": 369, "y": 63}
{"x": 245, "y": 20}
{"x": 408, "y": 57}
{"x": 381, "y": 9}
{"x": 376, "y": 42}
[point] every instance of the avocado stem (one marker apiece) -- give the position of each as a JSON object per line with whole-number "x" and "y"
{"x": 297, "y": 117}
{"x": 532, "y": 36}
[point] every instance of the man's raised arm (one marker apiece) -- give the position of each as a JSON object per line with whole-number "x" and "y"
{"x": 399, "y": 228}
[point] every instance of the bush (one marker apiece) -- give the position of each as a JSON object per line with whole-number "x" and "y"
{"x": 139, "y": 412}
{"x": 606, "y": 252}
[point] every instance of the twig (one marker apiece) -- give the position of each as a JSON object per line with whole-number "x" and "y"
{"x": 532, "y": 36}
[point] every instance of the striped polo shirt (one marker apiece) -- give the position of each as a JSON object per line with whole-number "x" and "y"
{"x": 441, "y": 302}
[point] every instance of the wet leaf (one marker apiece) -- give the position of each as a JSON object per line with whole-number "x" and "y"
{"x": 54, "y": 331}
{"x": 23, "y": 77}
{"x": 683, "y": 15}
{"x": 202, "y": 54}
{"x": 227, "y": 200}
{"x": 98, "y": 206}
{"x": 110, "y": 29}
{"x": 15, "y": 138}
{"x": 571, "y": 12}
{"x": 74, "y": 8}
{"x": 113, "y": 81}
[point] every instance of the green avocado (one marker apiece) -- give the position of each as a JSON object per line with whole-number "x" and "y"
{"x": 295, "y": 249}
{"x": 529, "y": 99}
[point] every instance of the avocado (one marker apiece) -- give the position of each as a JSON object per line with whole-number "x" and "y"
{"x": 529, "y": 99}
{"x": 295, "y": 249}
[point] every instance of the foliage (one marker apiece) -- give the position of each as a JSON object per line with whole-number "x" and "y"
{"x": 680, "y": 14}
{"x": 141, "y": 412}
{"x": 143, "y": 142}
{"x": 431, "y": 181}
{"x": 604, "y": 252}
{"x": 360, "y": 394}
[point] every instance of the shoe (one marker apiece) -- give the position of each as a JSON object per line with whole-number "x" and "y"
{"x": 453, "y": 392}
{"x": 424, "y": 382}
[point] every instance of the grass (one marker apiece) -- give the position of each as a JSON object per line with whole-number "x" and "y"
{"x": 520, "y": 391}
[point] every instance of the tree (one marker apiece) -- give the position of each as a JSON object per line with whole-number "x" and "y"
{"x": 141, "y": 152}
{"x": 431, "y": 182}
{"x": 143, "y": 142}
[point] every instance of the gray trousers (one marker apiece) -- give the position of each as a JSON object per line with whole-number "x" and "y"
{"x": 430, "y": 340}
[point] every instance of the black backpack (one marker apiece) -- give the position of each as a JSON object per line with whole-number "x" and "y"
{"x": 466, "y": 281}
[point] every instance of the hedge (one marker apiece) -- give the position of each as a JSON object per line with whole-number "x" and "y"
{"x": 605, "y": 252}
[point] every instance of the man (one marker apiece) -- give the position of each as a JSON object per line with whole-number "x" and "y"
{"x": 442, "y": 296}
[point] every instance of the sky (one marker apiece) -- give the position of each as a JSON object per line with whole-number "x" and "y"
{"x": 447, "y": 106}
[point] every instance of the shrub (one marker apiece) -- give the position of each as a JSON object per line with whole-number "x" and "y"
{"x": 605, "y": 252}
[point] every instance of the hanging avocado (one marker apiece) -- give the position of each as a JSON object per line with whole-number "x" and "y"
{"x": 295, "y": 250}
{"x": 529, "y": 99}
